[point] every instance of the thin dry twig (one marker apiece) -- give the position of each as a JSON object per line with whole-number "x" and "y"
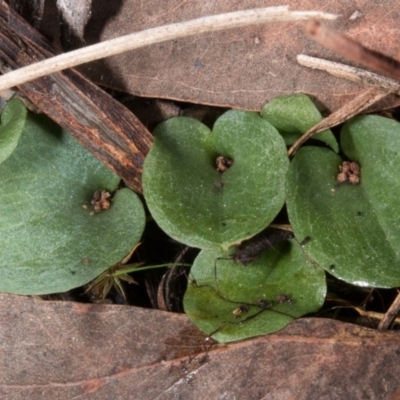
{"x": 372, "y": 314}
{"x": 390, "y": 314}
{"x": 350, "y": 73}
{"x": 361, "y": 102}
{"x": 156, "y": 35}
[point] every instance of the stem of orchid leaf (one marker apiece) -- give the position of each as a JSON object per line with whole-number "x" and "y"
{"x": 138, "y": 269}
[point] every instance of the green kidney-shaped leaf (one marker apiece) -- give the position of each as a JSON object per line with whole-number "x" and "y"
{"x": 294, "y": 115}
{"x": 231, "y": 302}
{"x": 50, "y": 237}
{"x": 354, "y": 229}
{"x": 202, "y": 207}
{"x": 13, "y": 119}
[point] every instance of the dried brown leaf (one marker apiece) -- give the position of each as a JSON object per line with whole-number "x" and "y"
{"x": 65, "y": 350}
{"x": 240, "y": 68}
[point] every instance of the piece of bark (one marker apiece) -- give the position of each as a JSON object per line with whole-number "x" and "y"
{"x": 43, "y": 15}
{"x": 65, "y": 350}
{"x": 101, "y": 124}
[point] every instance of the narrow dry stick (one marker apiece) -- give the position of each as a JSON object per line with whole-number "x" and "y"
{"x": 373, "y": 314}
{"x": 350, "y": 73}
{"x": 156, "y": 35}
{"x": 391, "y": 314}
{"x": 353, "y": 50}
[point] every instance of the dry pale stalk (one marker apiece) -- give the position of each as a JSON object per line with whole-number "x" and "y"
{"x": 350, "y": 73}
{"x": 156, "y": 35}
{"x": 360, "y": 103}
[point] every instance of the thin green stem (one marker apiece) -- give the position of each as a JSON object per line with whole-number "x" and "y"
{"x": 138, "y": 269}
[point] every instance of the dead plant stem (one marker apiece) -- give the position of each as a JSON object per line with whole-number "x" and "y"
{"x": 156, "y": 35}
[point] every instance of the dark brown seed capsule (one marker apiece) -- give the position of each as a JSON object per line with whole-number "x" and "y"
{"x": 223, "y": 163}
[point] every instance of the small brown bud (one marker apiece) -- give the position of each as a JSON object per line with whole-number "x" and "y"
{"x": 223, "y": 163}
{"x": 354, "y": 179}
{"x": 345, "y": 167}
{"x": 101, "y": 200}
{"x": 342, "y": 177}
{"x": 355, "y": 168}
